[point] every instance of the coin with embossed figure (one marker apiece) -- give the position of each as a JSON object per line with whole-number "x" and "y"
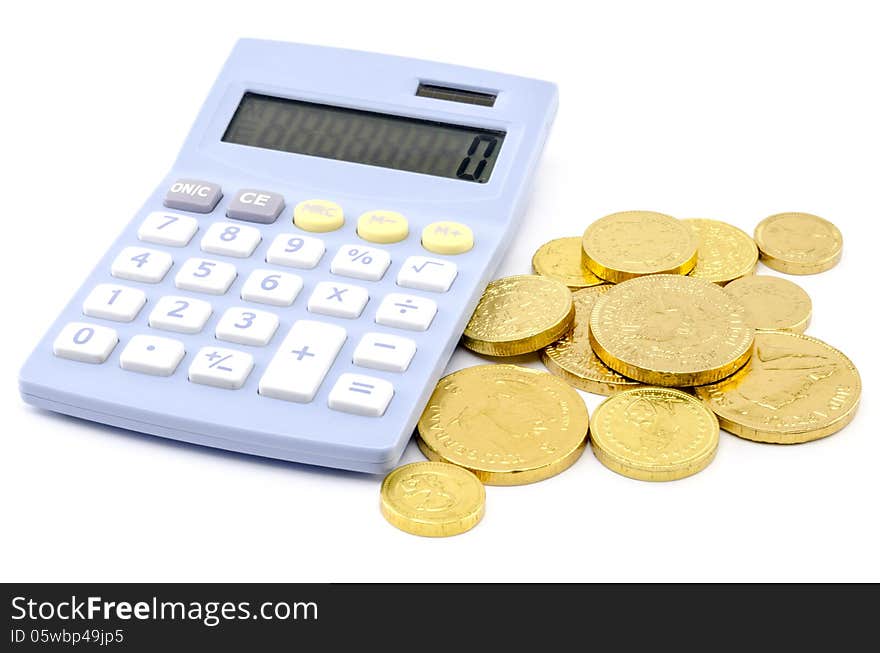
{"x": 519, "y": 314}
{"x": 724, "y": 252}
{"x": 772, "y": 303}
{"x": 507, "y": 424}
{"x": 654, "y": 434}
{"x": 798, "y": 243}
{"x": 432, "y": 499}
{"x": 561, "y": 259}
{"x": 670, "y": 330}
{"x": 572, "y": 358}
{"x": 794, "y": 389}
{"x": 631, "y": 244}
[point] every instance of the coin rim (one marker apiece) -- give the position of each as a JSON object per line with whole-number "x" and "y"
{"x": 793, "y": 436}
{"x": 618, "y": 275}
{"x": 781, "y": 264}
{"x": 578, "y": 380}
{"x": 723, "y": 281}
{"x": 526, "y": 344}
{"x": 425, "y": 527}
{"x": 666, "y": 378}
{"x": 568, "y": 280}
{"x": 523, "y": 475}
{"x": 667, "y": 472}
{"x": 798, "y": 327}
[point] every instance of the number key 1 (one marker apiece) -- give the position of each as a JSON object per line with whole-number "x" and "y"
{"x": 114, "y": 302}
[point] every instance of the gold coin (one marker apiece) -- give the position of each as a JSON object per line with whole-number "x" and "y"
{"x": 798, "y": 243}
{"x": 724, "y": 252}
{"x": 561, "y": 259}
{"x": 772, "y": 303}
{"x": 654, "y": 434}
{"x": 519, "y": 314}
{"x": 670, "y": 330}
{"x": 509, "y": 425}
{"x": 433, "y": 499}
{"x": 794, "y": 389}
{"x": 572, "y": 358}
{"x": 631, "y": 244}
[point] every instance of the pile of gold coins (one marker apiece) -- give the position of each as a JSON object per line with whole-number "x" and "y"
{"x": 665, "y": 317}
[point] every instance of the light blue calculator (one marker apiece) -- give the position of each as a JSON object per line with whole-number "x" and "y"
{"x": 297, "y": 283}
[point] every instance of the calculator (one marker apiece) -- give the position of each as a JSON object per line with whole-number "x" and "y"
{"x": 297, "y": 283}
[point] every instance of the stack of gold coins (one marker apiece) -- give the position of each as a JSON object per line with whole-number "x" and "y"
{"x": 668, "y": 320}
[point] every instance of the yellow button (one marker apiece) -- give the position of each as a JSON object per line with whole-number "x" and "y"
{"x": 382, "y": 227}
{"x": 447, "y": 237}
{"x": 318, "y": 215}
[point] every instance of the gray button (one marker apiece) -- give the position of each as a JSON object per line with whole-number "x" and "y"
{"x": 255, "y": 206}
{"x": 193, "y": 195}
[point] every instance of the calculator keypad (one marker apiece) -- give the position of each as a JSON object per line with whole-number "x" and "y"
{"x": 84, "y": 342}
{"x": 271, "y": 287}
{"x": 221, "y": 368}
{"x": 359, "y": 262}
{"x": 406, "y": 312}
{"x": 295, "y": 251}
{"x": 205, "y": 275}
{"x": 338, "y": 299}
{"x": 180, "y": 314}
{"x": 141, "y": 264}
{"x": 111, "y": 301}
{"x": 308, "y": 351}
{"x": 302, "y": 361}
{"x": 361, "y": 395}
{"x": 229, "y": 239}
{"x": 165, "y": 228}
{"x": 247, "y": 326}
{"x": 152, "y": 355}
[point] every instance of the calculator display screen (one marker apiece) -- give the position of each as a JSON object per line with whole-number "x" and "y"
{"x": 375, "y": 139}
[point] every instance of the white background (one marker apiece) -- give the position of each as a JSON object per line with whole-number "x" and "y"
{"x": 687, "y": 108}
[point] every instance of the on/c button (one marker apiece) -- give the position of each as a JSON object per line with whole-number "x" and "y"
{"x": 447, "y": 237}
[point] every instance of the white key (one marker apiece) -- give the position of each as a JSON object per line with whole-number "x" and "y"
{"x": 361, "y": 395}
{"x": 302, "y": 361}
{"x": 84, "y": 342}
{"x": 246, "y": 326}
{"x": 114, "y": 302}
{"x": 423, "y": 273}
{"x": 221, "y": 368}
{"x": 360, "y": 262}
{"x": 152, "y": 355}
{"x": 170, "y": 229}
{"x": 382, "y": 351}
{"x": 406, "y": 312}
{"x": 295, "y": 251}
{"x": 204, "y": 275}
{"x": 141, "y": 264}
{"x": 231, "y": 239}
{"x": 271, "y": 287}
{"x": 338, "y": 299}
{"x": 180, "y": 314}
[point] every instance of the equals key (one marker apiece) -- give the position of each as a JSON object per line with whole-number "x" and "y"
{"x": 361, "y": 395}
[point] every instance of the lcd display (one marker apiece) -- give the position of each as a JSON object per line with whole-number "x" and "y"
{"x": 366, "y": 137}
